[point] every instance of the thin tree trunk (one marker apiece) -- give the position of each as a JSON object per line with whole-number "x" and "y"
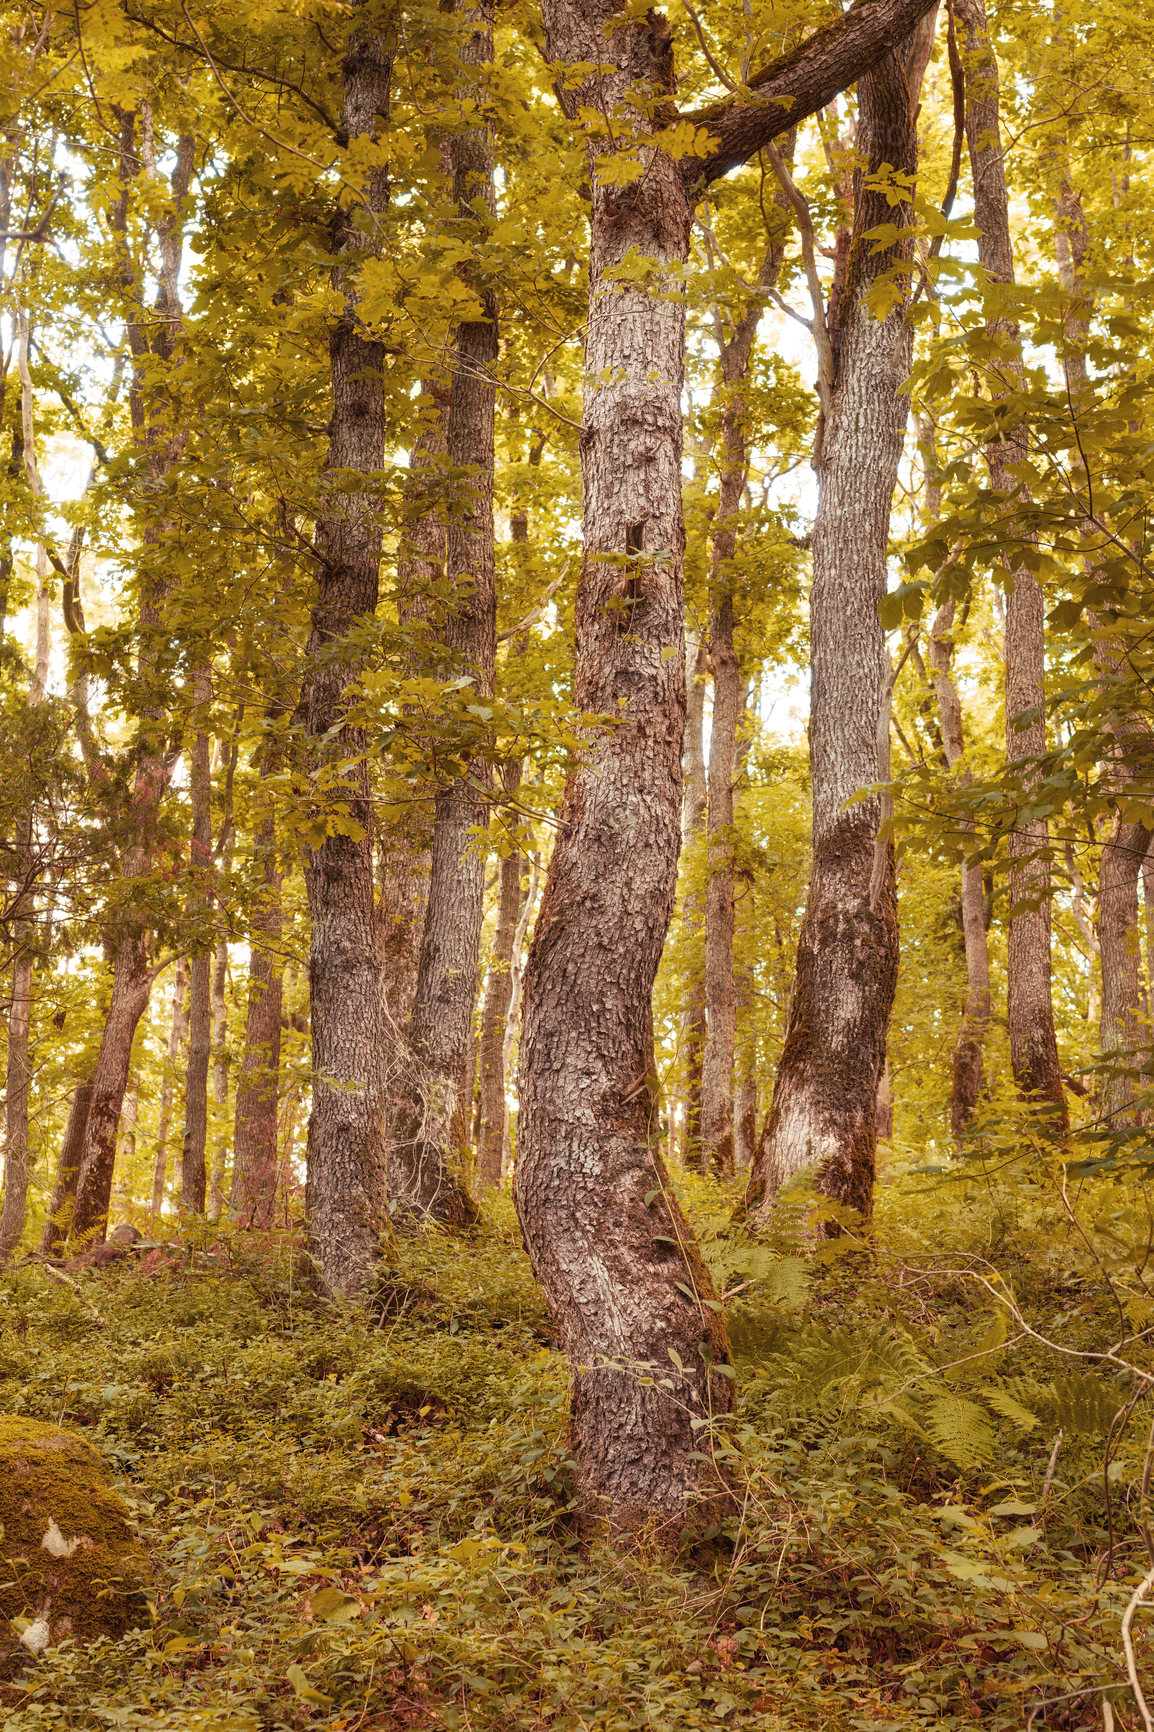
{"x": 694, "y": 802}
{"x": 152, "y": 337}
{"x": 823, "y": 1119}
{"x": 219, "y": 1076}
{"x": 126, "y": 1147}
{"x": 495, "y": 1012}
{"x": 176, "y": 1039}
{"x": 1123, "y": 1019}
{"x": 967, "y": 1073}
{"x": 1033, "y": 1043}
{"x": 434, "y": 1123}
{"x": 516, "y": 985}
{"x": 345, "y": 1193}
{"x": 58, "y": 1220}
{"x": 18, "y": 1079}
{"x": 254, "y": 1165}
{"x": 729, "y": 694}
{"x": 193, "y": 1177}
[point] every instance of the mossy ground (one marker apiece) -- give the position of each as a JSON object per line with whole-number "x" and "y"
{"x": 362, "y": 1523}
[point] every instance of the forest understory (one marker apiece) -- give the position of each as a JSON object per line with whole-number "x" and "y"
{"x": 365, "y": 1519}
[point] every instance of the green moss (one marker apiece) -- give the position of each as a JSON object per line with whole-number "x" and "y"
{"x": 54, "y": 1488}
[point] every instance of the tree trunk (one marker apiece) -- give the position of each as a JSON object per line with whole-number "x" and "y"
{"x": 345, "y": 1192}
{"x": 720, "y": 989}
{"x": 1033, "y": 1044}
{"x": 434, "y": 1122}
{"x": 967, "y": 1076}
{"x": 614, "y": 1255}
{"x": 58, "y": 1220}
{"x": 16, "y": 1109}
{"x": 131, "y": 983}
{"x": 608, "y": 1241}
{"x": 1123, "y": 1019}
{"x": 495, "y": 1012}
{"x": 176, "y": 1038}
{"x": 254, "y": 1161}
{"x": 193, "y": 1177}
{"x": 151, "y": 340}
{"x": 694, "y": 802}
{"x": 219, "y": 1076}
{"x": 823, "y": 1119}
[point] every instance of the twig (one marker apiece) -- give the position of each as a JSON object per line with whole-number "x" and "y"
{"x": 1136, "y": 1599}
{"x": 59, "y": 1275}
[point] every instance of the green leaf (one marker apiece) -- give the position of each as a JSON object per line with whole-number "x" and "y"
{"x": 307, "y": 1692}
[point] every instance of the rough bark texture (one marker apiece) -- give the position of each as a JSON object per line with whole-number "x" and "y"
{"x": 176, "y": 1038}
{"x": 254, "y": 1163}
{"x": 193, "y": 1174}
{"x": 609, "y": 1244}
{"x": 58, "y": 1218}
{"x": 823, "y": 1119}
{"x": 433, "y": 1125}
{"x": 345, "y": 1189}
{"x": 495, "y": 1011}
{"x": 131, "y": 982}
{"x": 966, "y": 1087}
{"x": 1033, "y": 1044}
{"x": 804, "y": 81}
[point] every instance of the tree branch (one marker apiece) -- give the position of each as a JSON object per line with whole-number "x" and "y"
{"x": 800, "y": 83}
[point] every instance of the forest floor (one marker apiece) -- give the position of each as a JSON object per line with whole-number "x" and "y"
{"x": 363, "y": 1523}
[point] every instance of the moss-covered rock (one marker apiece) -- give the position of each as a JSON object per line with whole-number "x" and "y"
{"x": 70, "y": 1564}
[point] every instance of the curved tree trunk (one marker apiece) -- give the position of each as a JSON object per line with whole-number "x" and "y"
{"x": 131, "y": 984}
{"x": 58, "y": 1218}
{"x": 345, "y": 1187}
{"x": 1033, "y": 1043}
{"x": 823, "y": 1120}
{"x": 608, "y": 1241}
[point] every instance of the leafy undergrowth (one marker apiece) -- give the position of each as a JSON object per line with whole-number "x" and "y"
{"x": 364, "y": 1523}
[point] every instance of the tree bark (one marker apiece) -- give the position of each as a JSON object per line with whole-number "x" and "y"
{"x": 254, "y": 1162}
{"x": 177, "y": 1036}
{"x": 58, "y": 1219}
{"x": 131, "y": 984}
{"x": 694, "y": 806}
{"x": 608, "y": 1241}
{"x": 966, "y": 1087}
{"x": 823, "y": 1119}
{"x": 219, "y": 1076}
{"x": 434, "y": 1122}
{"x": 345, "y": 1189}
{"x": 495, "y": 1012}
{"x": 153, "y": 336}
{"x": 1033, "y": 1043}
{"x": 17, "y": 1083}
{"x": 193, "y": 1176}
{"x": 1123, "y": 1017}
